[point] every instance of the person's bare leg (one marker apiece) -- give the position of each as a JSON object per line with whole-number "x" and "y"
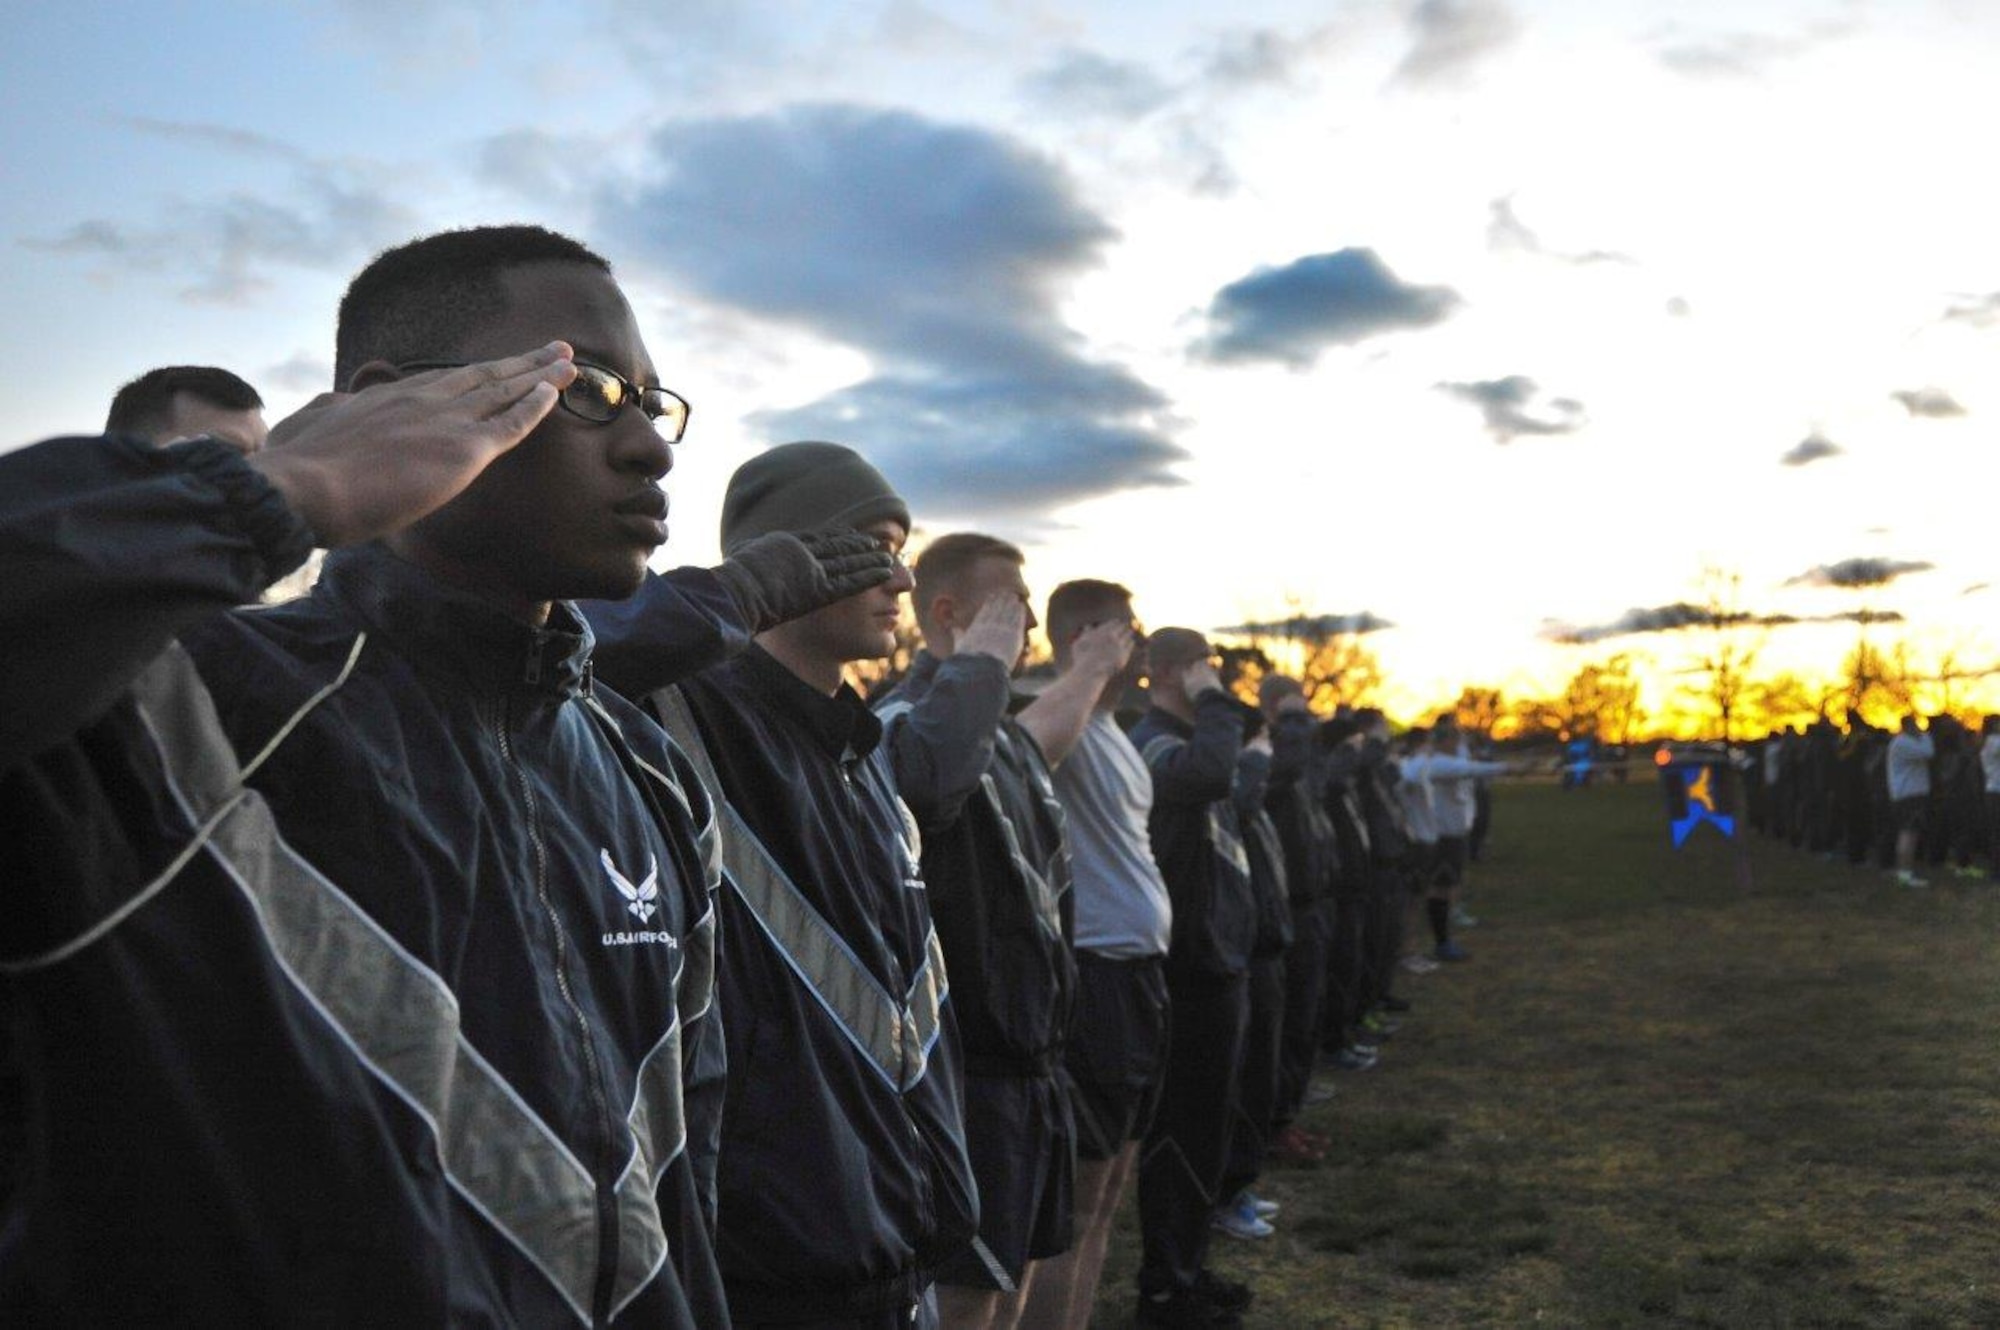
{"x": 966, "y": 1308}
{"x": 1013, "y": 1305}
{"x": 1066, "y": 1287}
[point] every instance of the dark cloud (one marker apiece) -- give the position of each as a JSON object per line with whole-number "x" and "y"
{"x": 1862, "y": 572}
{"x": 1681, "y": 615}
{"x": 1449, "y": 37}
{"x": 1813, "y": 448}
{"x": 1291, "y": 314}
{"x": 1303, "y": 626}
{"x": 1086, "y": 83}
{"x": 1510, "y": 409}
{"x": 1929, "y": 403}
{"x": 939, "y": 251}
{"x": 1976, "y": 588}
{"x": 225, "y": 247}
{"x": 1506, "y": 233}
{"x": 1979, "y": 311}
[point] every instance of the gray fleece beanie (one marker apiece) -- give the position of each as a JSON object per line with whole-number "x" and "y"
{"x": 803, "y": 487}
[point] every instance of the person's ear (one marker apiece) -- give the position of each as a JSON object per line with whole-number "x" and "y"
{"x": 369, "y": 374}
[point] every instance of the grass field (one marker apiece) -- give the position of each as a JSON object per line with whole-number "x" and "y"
{"x": 1658, "y": 1097}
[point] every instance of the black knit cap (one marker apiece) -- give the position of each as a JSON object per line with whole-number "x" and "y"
{"x": 803, "y": 487}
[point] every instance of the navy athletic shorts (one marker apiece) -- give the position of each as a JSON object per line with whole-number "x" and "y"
{"x": 1022, "y": 1141}
{"x": 1117, "y": 1057}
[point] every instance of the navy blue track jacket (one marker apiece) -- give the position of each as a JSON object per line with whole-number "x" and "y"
{"x": 1197, "y": 840}
{"x": 844, "y": 1178}
{"x": 994, "y": 856}
{"x": 360, "y": 952}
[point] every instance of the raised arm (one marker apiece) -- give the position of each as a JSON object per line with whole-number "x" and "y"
{"x": 679, "y": 623}
{"x": 941, "y": 743}
{"x": 109, "y": 549}
{"x": 1057, "y": 718}
{"x": 1202, "y": 769}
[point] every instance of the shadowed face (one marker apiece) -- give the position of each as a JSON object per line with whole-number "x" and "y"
{"x": 190, "y": 416}
{"x": 577, "y": 508}
{"x": 862, "y": 627}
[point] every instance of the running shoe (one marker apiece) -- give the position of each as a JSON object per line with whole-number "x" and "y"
{"x": 1449, "y": 950}
{"x": 1237, "y": 1220}
{"x": 1260, "y": 1207}
{"x": 1351, "y": 1059}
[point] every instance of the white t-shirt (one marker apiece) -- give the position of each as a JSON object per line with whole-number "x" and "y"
{"x": 1122, "y": 908}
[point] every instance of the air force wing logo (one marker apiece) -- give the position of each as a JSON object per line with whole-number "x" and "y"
{"x": 639, "y": 900}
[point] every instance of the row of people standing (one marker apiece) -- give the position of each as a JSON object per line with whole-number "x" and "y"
{"x": 506, "y": 932}
{"x": 1921, "y": 796}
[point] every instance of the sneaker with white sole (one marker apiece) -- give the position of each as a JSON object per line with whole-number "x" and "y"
{"x": 1237, "y": 1220}
{"x": 1260, "y": 1207}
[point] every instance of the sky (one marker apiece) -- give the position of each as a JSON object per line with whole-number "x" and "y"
{"x": 1498, "y": 322}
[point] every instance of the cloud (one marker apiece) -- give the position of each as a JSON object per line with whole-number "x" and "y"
{"x": 1302, "y": 626}
{"x": 1929, "y": 403}
{"x": 1813, "y": 448}
{"x": 1979, "y": 311}
{"x": 1088, "y": 84}
{"x": 1681, "y": 615}
{"x": 1728, "y": 55}
{"x": 939, "y": 251}
{"x": 1506, "y": 233}
{"x": 1289, "y": 315}
{"x": 1509, "y": 408}
{"x": 1449, "y": 37}
{"x": 1679, "y": 308}
{"x": 246, "y": 142}
{"x": 1743, "y": 54}
{"x": 1976, "y": 588}
{"x": 224, "y": 248}
{"x": 302, "y": 372}
{"x": 1862, "y": 572}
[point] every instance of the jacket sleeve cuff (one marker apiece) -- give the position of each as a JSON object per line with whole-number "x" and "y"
{"x": 281, "y": 536}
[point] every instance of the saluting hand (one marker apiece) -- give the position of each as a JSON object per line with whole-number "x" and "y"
{"x": 1103, "y": 648}
{"x": 999, "y": 629}
{"x": 360, "y": 465}
{"x": 1199, "y": 678}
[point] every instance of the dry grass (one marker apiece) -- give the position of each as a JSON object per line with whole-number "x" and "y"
{"x": 1657, "y": 1098}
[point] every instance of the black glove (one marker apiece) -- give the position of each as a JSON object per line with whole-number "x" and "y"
{"x": 778, "y": 577}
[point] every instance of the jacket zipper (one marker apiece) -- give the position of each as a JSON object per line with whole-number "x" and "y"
{"x": 607, "y": 1216}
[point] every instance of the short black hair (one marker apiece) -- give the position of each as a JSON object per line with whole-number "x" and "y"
{"x": 143, "y": 406}
{"x": 421, "y": 300}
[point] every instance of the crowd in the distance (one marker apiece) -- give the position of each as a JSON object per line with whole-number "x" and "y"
{"x": 1923, "y": 797}
{"x": 505, "y": 933}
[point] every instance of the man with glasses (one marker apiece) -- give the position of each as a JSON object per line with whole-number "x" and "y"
{"x": 364, "y": 947}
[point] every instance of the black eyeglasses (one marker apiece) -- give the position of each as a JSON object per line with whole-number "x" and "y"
{"x": 599, "y": 394}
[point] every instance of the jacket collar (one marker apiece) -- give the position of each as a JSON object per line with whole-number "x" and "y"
{"x": 439, "y": 624}
{"x": 841, "y": 726}
{"x": 1166, "y": 720}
